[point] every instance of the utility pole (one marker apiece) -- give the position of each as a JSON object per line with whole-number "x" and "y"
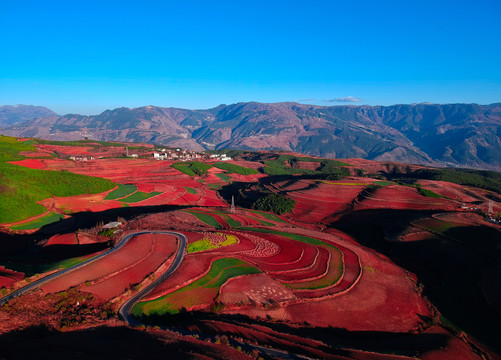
{"x": 232, "y": 204}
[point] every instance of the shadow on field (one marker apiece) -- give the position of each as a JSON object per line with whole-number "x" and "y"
{"x": 246, "y": 193}
{"x": 297, "y": 340}
{"x": 98, "y": 343}
{"x": 14, "y": 243}
{"x": 450, "y": 265}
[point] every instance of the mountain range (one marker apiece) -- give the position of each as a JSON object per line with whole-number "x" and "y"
{"x": 464, "y": 135}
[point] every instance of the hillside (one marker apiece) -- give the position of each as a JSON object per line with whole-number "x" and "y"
{"x": 465, "y": 135}
{"x": 322, "y": 258}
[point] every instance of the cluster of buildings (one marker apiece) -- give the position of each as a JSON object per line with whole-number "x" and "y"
{"x": 187, "y": 155}
{"x": 176, "y": 154}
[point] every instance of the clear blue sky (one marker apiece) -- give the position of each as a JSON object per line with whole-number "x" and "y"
{"x": 87, "y": 56}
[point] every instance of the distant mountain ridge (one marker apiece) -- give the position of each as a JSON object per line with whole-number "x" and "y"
{"x": 466, "y": 135}
{"x": 11, "y": 114}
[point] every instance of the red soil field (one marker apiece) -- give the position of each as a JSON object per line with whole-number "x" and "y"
{"x": 255, "y": 288}
{"x": 9, "y": 277}
{"x": 191, "y": 268}
{"x": 66, "y": 150}
{"x": 63, "y": 239}
{"x": 447, "y": 189}
{"x": 321, "y": 203}
{"x": 244, "y": 220}
{"x": 131, "y": 253}
{"x": 114, "y": 284}
{"x": 318, "y": 268}
{"x": 84, "y": 238}
{"x": 403, "y": 197}
{"x": 383, "y": 299}
{"x": 30, "y": 163}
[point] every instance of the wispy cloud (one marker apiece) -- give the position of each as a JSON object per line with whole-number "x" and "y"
{"x": 304, "y": 100}
{"x": 346, "y": 99}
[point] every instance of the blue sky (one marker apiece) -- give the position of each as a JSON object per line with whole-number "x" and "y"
{"x": 88, "y": 56}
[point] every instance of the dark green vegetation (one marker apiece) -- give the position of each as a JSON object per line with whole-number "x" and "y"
{"x": 199, "y": 291}
{"x": 289, "y": 165}
{"x": 488, "y": 180}
{"x": 232, "y": 168}
{"x": 275, "y": 203}
{"x": 38, "y": 223}
{"x": 21, "y": 185}
{"x": 121, "y": 191}
{"x": 192, "y": 168}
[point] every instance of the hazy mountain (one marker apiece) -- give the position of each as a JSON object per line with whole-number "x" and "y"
{"x": 455, "y": 134}
{"x": 12, "y": 114}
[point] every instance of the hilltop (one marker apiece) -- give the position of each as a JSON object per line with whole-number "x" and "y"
{"x": 463, "y": 135}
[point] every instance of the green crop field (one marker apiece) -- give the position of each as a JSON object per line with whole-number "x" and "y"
{"x": 121, "y": 191}
{"x": 21, "y": 187}
{"x": 38, "y": 223}
{"x": 224, "y": 177}
{"x": 139, "y": 196}
{"x": 232, "y": 168}
{"x": 190, "y": 190}
{"x": 207, "y": 244}
{"x": 268, "y": 215}
{"x": 206, "y": 218}
{"x": 192, "y": 168}
{"x": 201, "y": 291}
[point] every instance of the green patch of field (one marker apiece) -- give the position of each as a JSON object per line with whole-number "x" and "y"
{"x": 38, "y": 223}
{"x": 192, "y": 168}
{"x": 10, "y": 148}
{"x": 232, "y": 168}
{"x": 224, "y": 177}
{"x": 214, "y": 186}
{"x": 333, "y": 274}
{"x": 206, "y": 218}
{"x": 230, "y": 221}
{"x": 190, "y": 190}
{"x": 428, "y": 193}
{"x": 121, "y": 191}
{"x": 268, "y": 215}
{"x": 22, "y": 187}
{"x": 201, "y": 291}
{"x": 437, "y": 226}
{"x": 383, "y": 183}
{"x": 139, "y": 196}
{"x": 207, "y": 244}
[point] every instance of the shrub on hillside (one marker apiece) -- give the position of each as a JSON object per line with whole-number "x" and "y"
{"x": 275, "y": 203}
